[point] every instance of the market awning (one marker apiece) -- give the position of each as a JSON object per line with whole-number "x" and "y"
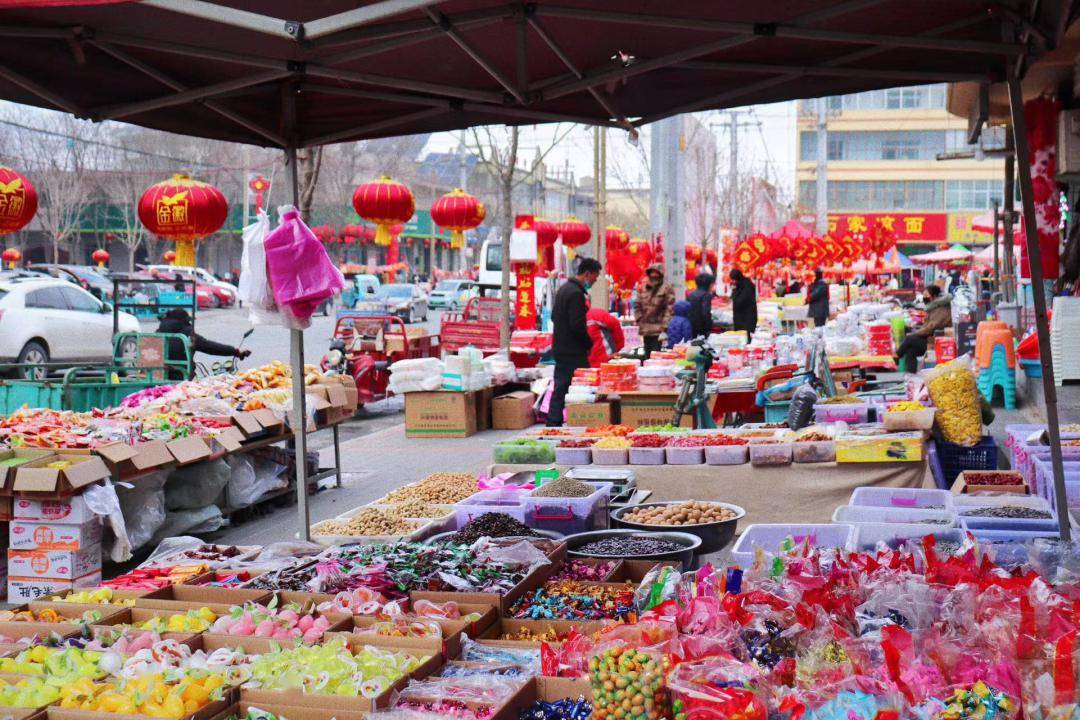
{"x": 985, "y": 224}
{"x": 957, "y": 253}
{"x": 394, "y": 67}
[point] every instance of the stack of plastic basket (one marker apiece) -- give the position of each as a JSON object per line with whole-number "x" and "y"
{"x": 1065, "y": 339}
{"x": 996, "y": 358}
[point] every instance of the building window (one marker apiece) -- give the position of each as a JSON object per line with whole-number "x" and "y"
{"x": 875, "y": 145}
{"x": 922, "y": 97}
{"x": 880, "y": 195}
{"x": 973, "y": 194}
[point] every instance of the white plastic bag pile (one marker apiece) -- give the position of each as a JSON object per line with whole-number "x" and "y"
{"x": 416, "y": 375}
{"x": 465, "y": 372}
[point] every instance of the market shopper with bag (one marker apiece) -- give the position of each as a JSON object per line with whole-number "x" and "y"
{"x": 571, "y": 343}
{"x": 700, "y": 315}
{"x": 654, "y": 307}
{"x": 817, "y": 300}
{"x": 743, "y": 303}
{"x": 938, "y": 317}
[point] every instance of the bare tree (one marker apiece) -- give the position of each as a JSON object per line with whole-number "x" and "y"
{"x": 497, "y": 148}
{"x": 123, "y": 191}
{"x": 309, "y": 162}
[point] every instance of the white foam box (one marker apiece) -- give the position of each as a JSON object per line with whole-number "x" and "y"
{"x": 30, "y": 535}
{"x": 54, "y": 564}
{"x": 22, "y": 589}
{"x": 71, "y": 510}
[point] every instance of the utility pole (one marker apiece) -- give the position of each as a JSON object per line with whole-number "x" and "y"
{"x": 733, "y": 125}
{"x": 822, "y": 179}
{"x": 463, "y": 181}
{"x": 665, "y": 197}
{"x": 600, "y": 291}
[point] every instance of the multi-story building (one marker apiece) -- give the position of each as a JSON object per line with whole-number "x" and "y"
{"x": 883, "y": 149}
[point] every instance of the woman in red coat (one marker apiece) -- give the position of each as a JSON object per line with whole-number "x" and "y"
{"x": 606, "y": 334}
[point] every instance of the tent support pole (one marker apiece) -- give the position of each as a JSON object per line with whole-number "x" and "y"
{"x": 997, "y": 266}
{"x": 296, "y": 360}
{"x": 1042, "y": 326}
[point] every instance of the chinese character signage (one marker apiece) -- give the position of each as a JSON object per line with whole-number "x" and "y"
{"x": 906, "y": 227}
{"x": 525, "y": 304}
{"x": 960, "y": 229}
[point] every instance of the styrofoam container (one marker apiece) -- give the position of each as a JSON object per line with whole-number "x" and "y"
{"x": 573, "y": 456}
{"x": 769, "y": 537}
{"x": 503, "y": 501}
{"x": 647, "y": 455}
{"x": 901, "y": 497}
{"x": 842, "y": 412}
{"x": 609, "y": 456}
{"x": 899, "y": 420}
{"x": 770, "y": 453}
{"x": 727, "y": 454}
{"x": 685, "y": 455}
{"x": 860, "y": 514}
{"x": 868, "y": 535}
{"x": 818, "y": 451}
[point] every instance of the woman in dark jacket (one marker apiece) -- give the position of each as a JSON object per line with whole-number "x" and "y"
{"x": 700, "y": 299}
{"x": 743, "y": 303}
{"x": 818, "y": 300}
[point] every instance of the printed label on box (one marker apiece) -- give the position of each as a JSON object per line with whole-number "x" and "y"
{"x": 26, "y": 535}
{"x": 54, "y": 564}
{"x": 21, "y": 589}
{"x": 73, "y": 510}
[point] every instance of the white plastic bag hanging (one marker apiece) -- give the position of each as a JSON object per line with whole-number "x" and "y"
{"x": 254, "y": 285}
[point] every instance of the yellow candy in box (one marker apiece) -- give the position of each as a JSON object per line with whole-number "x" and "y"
{"x": 150, "y": 695}
{"x": 892, "y": 447}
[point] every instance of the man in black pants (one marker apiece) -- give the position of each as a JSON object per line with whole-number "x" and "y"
{"x": 570, "y": 341}
{"x": 915, "y": 343}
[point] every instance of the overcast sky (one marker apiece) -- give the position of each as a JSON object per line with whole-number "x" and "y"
{"x": 767, "y": 146}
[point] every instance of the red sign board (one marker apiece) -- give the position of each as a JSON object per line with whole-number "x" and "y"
{"x": 906, "y": 227}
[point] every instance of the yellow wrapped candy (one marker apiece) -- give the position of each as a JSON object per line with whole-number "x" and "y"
{"x": 952, "y": 388}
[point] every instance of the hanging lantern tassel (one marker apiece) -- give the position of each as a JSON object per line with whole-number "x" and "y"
{"x": 458, "y": 211}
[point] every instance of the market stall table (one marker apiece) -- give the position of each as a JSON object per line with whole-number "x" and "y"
{"x": 800, "y": 493}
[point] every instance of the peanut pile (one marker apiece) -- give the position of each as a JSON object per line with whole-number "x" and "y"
{"x": 415, "y": 509}
{"x": 368, "y": 521}
{"x": 437, "y": 488}
{"x": 691, "y": 512}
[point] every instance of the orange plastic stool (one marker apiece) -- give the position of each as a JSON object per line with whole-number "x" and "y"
{"x": 990, "y": 334}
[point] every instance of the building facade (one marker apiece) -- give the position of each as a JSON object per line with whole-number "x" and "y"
{"x": 883, "y": 164}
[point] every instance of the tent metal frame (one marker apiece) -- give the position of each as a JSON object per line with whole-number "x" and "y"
{"x": 361, "y": 32}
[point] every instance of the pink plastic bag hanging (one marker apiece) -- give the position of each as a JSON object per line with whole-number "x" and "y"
{"x": 301, "y": 274}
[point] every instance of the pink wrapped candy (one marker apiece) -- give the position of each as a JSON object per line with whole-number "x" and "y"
{"x": 281, "y": 624}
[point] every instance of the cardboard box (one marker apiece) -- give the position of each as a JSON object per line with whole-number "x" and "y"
{"x": 55, "y": 564}
{"x": 229, "y": 440}
{"x": 513, "y": 411}
{"x": 6, "y": 509}
{"x": 31, "y": 535}
{"x": 645, "y": 408}
{"x": 189, "y": 450}
{"x": 179, "y": 598}
{"x": 36, "y": 479}
{"x": 10, "y": 460}
{"x": 148, "y": 455}
{"x": 508, "y": 628}
{"x": 440, "y": 414}
{"x": 72, "y": 510}
{"x": 248, "y": 424}
{"x": 552, "y": 689}
{"x": 484, "y": 399}
{"x": 26, "y": 589}
{"x": 272, "y": 424}
{"x": 207, "y": 712}
{"x": 292, "y": 712}
{"x": 968, "y": 482}
{"x": 590, "y": 414}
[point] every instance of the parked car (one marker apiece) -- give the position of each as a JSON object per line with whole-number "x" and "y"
{"x": 51, "y": 320}
{"x": 405, "y": 300}
{"x": 87, "y": 277}
{"x": 208, "y": 296}
{"x": 453, "y": 294}
{"x": 226, "y": 293}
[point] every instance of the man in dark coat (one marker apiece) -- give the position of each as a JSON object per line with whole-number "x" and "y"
{"x": 818, "y": 300}
{"x": 570, "y": 335}
{"x": 178, "y": 322}
{"x": 701, "y": 322}
{"x": 743, "y": 302}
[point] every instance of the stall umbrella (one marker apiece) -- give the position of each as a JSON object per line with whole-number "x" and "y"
{"x": 284, "y": 48}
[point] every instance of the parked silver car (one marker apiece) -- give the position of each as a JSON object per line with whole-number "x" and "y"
{"x": 453, "y": 294}
{"x": 405, "y": 300}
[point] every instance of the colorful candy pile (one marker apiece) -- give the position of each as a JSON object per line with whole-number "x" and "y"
{"x": 193, "y": 621}
{"x": 282, "y": 624}
{"x": 156, "y": 577}
{"x": 595, "y": 571}
{"x": 30, "y": 692}
{"x": 573, "y": 600}
{"x": 62, "y": 663}
{"x": 152, "y": 695}
{"x": 332, "y": 669}
{"x": 100, "y": 596}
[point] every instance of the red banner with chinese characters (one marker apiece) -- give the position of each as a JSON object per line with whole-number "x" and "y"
{"x": 905, "y": 227}
{"x": 525, "y": 304}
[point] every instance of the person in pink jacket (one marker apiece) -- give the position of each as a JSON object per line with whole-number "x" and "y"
{"x": 606, "y": 334}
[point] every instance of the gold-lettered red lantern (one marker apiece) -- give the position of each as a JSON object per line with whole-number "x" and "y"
{"x": 384, "y": 202}
{"x": 11, "y": 256}
{"x": 458, "y": 211}
{"x": 101, "y": 257}
{"x": 184, "y": 210}
{"x": 574, "y": 232}
{"x": 18, "y": 201}
{"x": 169, "y": 257}
{"x": 616, "y": 238}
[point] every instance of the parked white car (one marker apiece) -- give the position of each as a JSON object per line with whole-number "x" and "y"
{"x": 453, "y": 294}
{"x": 55, "y": 321}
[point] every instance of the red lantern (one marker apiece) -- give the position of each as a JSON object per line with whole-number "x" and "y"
{"x": 458, "y": 211}
{"x": 574, "y": 232}
{"x": 101, "y": 257}
{"x": 184, "y": 210}
{"x": 384, "y": 202}
{"x": 18, "y": 201}
{"x": 169, "y": 256}
{"x": 396, "y": 230}
{"x": 11, "y": 256}
{"x": 616, "y": 238}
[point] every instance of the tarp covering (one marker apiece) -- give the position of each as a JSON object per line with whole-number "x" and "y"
{"x": 957, "y": 253}
{"x": 395, "y": 67}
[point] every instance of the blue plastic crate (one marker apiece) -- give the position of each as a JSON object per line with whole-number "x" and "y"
{"x": 954, "y": 459}
{"x": 777, "y": 411}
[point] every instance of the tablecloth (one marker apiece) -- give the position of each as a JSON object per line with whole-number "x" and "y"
{"x": 805, "y": 493}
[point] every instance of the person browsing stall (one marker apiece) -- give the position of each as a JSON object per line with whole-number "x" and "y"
{"x": 571, "y": 343}
{"x": 654, "y": 307}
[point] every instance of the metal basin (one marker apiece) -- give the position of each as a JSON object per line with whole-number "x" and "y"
{"x": 714, "y": 536}
{"x": 689, "y": 545}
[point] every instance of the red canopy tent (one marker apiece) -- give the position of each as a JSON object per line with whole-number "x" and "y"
{"x": 299, "y": 73}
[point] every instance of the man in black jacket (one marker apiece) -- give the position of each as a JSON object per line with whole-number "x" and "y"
{"x": 818, "y": 301}
{"x": 570, "y": 336}
{"x": 743, "y": 302}
{"x": 177, "y": 321}
{"x": 701, "y": 299}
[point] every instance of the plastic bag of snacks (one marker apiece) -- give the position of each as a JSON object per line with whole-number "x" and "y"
{"x": 718, "y": 687}
{"x": 853, "y": 698}
{"x": 952, "y": 388}
{"x": 627, "y": 672}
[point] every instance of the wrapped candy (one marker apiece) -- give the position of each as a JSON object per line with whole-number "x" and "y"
{"x": 283, "y": 624}
{"x": 720, "y": 687}
{"x": 331, "y": 669}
